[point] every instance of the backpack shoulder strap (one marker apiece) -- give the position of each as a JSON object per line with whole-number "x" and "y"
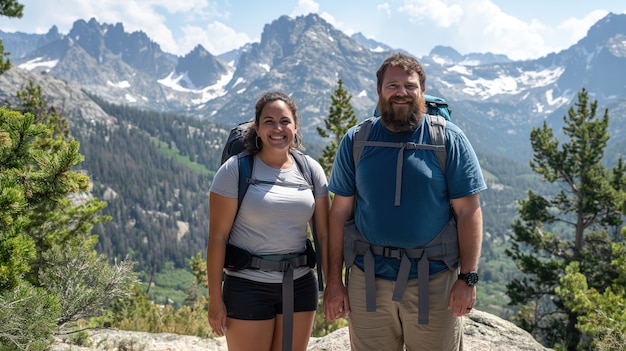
{"x": 361, "y": 133}
{"x": 437, "y": 130}
{"x": 303, "y": 166}
{"x": 246, "y": 162}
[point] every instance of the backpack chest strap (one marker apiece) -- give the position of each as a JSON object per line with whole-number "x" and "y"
{"x": 401, "y": 146}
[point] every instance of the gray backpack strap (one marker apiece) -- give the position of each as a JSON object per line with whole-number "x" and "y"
{"x": 437, "y": 130}
{"x": 444, "y": 247}
{"x": 361, "y": 133}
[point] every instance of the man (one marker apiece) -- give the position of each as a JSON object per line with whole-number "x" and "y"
{"x": 408, "y": 209}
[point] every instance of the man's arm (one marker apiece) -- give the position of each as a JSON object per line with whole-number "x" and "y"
{"x": 470, "y": 231}
{"x": 335, "y": 296}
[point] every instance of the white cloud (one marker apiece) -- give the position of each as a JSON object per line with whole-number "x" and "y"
{"x": 216, "y": 37}
{"x": 479, "y": 26}
{"x": 576, "y": 28}
{"x": 305, "y": 7}
{"x": 342, "y": 26}
{"x": 148, "y": 16}
{"x": 384, "y": 8}
{"x": 180, "y": 6}
{"x": 440, "y": 12}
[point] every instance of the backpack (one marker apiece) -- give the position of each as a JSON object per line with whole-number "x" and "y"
{"x": 234, "y": 146}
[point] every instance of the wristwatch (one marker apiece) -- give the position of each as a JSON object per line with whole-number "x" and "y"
{"x": 470, "y": 278}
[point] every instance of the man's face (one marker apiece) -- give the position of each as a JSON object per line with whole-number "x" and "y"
{"x": 400, "y": 99}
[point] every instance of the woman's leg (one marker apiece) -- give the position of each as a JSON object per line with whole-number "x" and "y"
{"x": 251, "y": 310}
{"x": 305, "y": 305}
{"x": 245, "y": 335}
{"x": 302, "y": 327}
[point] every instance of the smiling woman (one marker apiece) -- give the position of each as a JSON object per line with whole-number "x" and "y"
{"x": 259, "y": 244}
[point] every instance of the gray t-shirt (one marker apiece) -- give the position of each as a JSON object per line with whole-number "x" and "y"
{"x": 273, "y": 218}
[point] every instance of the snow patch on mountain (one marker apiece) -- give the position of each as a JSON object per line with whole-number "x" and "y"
{"x": 461, "y": 69}
{"x": 214, "y": 91}
{"x": 122, "y": 85}
{"x": 38, "y": 62}
{"x": 239, "y": 80}
{"x": 507, "y": 84}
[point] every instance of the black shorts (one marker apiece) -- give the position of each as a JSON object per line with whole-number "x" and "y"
{"x": 251, "y": 300}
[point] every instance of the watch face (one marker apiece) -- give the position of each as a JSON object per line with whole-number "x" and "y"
{"x": 470, "y": 278}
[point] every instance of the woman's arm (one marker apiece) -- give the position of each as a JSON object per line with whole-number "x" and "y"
{"x": 322, "y": 208}
{"x": 222, "y": 215}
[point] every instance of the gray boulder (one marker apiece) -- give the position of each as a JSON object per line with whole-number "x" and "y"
{"x": 483, "y": 331}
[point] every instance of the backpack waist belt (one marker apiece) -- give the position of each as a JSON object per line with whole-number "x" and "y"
{"x": 444, "y": 248}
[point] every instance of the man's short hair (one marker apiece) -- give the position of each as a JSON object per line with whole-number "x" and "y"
{"x": 408, "y": 63}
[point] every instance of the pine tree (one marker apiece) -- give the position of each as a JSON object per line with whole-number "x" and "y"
{"x": 602, "y": 316}
{"x": 340, "y": 118}
{"x": 50, "y": 274}
{"x": 8, "y": 8}
{"x": 577, "y": 224}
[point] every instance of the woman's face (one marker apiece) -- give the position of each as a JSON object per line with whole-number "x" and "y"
{"x": 277, "y": 126}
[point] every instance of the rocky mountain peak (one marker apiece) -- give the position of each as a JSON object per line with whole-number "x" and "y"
{"x": 606, "y": 28}
{"x": 370, "y": 44}
{"x": 445, "y": 54}
{"x": 201, "y": 68}
{"x": 90, "y": 36}
{"x": 52, "y": 35}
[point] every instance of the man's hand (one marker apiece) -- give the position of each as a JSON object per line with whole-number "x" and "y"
{"x": 462, "y": 298}
{"x": 336, "y": 304}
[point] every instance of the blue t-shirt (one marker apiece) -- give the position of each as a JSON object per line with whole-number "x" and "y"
{"x": 426, "y": 192}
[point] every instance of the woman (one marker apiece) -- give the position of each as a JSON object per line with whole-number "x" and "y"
{"x": 271, "y": 223}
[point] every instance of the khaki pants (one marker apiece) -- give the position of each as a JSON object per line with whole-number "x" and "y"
{"x": 394, "y": 324}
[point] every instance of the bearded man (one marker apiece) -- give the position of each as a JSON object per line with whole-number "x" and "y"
{"x": 419, "y": 222}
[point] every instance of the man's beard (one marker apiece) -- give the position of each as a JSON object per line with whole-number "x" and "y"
{"x": 401, "y": 118}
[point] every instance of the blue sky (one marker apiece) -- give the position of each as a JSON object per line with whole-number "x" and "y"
{"x": 519, "y": 29}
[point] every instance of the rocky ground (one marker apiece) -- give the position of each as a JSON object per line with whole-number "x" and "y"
{"x": 483, "y": 332}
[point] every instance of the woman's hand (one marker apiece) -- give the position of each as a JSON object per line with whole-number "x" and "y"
{"x": 217, "y": 317}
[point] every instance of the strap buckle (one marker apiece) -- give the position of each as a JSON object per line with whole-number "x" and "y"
{"x": 392, "y": 252}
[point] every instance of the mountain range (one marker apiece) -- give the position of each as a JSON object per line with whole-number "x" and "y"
{"x": 494, "y": 99}
{"x": 151, "y": 124}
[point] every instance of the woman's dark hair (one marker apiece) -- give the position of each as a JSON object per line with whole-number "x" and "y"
{"x": 250, "y": 141}
{"x": 407, "y": 63}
